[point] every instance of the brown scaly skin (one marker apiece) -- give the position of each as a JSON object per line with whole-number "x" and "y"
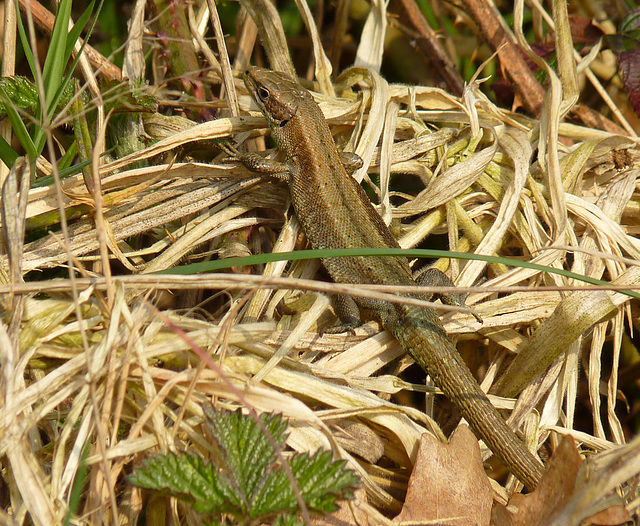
{"x": 336, "y": 213}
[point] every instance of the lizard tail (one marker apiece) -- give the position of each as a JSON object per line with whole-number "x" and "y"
{"x": 421, "y": 333}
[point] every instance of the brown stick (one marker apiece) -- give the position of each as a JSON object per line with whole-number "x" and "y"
{"x": 512, "y": 60}
{"x": 410, "y": 16}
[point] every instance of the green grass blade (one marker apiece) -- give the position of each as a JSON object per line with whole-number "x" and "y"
{"x": 77, "y": 28}
{"x": 53, "y": 70}
{"x": 71, "y": 39}
{"x": 78, "y": 486}
{"x": 18, "y": 126}
{"x": 260, "y": 259}
{"x": 68, "y": 157}
{"x": 7, "y": 153}
{"x": 73, "y": 36}
{"x": 54, "y": 64}
{"x": 26, "y": 47}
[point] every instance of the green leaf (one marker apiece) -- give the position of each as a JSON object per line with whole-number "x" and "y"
{"x": 57, "y": 83}
{"x": 21, "y": 92}
{"x": 249, "y": 457}
{"x": 246, "y": 478}
{"x": 323, "y": 481}
{"x": 246, "y": 453}
{"x": 78, "y": 485}
{"x": 189, "y": 477}
{"x": 630, "y": 22}
{"x": 287, "y": 519}
{"x": 65, "y": 161}
{"x": 259, "y": 259}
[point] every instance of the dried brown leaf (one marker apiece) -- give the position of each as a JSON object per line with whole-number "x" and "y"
{"x": 448, "y": 482}
{"x": 555, "y": 489}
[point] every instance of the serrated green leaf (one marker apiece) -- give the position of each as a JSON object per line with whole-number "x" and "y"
{"x": 21, "y": 92}
{"x": 323, "y": 481}
{"x": 246, "y": 452}
{"x": 287, "y": 519}
{"x": 275, "y": 494}
{"x": 247, "y": 479}
{"x": 190, "y": 477}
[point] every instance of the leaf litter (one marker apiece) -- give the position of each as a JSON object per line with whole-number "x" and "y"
{"x": 100, "y": 370}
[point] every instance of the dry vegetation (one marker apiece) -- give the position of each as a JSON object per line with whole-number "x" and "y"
{"x": 105, "y": 362}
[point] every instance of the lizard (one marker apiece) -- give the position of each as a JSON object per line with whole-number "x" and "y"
{"x": 335, "y": 212}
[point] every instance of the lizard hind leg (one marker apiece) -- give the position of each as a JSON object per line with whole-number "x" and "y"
{"x": 436, "y": 278}
{"x": 352, "y": 314}
{"x": 348, "y": 312}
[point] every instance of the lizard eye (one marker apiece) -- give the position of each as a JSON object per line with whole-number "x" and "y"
{"x": 263, "y": 93}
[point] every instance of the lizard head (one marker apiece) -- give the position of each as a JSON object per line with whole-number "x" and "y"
{"x": 296, "y": 122}
{"x": 278, "y": 98}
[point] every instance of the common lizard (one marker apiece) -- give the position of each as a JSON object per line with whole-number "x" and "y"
{"x": 335, "y": 212}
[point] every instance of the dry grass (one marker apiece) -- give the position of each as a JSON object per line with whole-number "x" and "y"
{"x": 89, "y": 364}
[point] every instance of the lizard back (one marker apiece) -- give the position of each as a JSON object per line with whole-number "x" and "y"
{"x": 334, "y": 210}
